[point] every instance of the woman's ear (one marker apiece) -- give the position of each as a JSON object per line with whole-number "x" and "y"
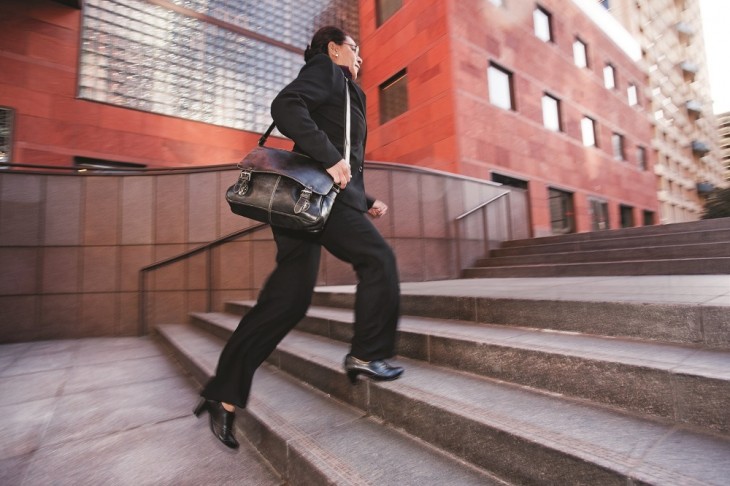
{"x": 332, "y": 49}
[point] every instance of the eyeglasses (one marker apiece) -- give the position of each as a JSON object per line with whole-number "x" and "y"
{"x": 355, "y": 48}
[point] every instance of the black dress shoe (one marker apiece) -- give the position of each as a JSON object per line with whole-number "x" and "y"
{"x": 221, "y": 421}
{"x": 378, "y": 369}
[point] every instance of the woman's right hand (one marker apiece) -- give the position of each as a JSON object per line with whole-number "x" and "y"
{"x": 340, "y": 173}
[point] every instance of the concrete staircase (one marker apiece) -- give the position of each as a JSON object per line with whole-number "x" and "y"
{"x": 696, "y": 248}
{"x": 489, "y": 396}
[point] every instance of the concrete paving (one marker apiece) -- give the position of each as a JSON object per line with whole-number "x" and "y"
{"x": 118, "y": 411}
{"x": 109, "y": 411}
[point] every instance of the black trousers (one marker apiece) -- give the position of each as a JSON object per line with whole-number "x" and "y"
{"x": 287, "y": 294}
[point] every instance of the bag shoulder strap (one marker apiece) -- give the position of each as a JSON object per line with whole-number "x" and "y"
{"x": 346, "y": 144}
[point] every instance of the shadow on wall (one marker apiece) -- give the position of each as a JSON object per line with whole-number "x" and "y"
{"x": 71, "y": 246}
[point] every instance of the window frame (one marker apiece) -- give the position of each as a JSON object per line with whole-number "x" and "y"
{"x": 548, "y": 17}
{"x": 594, "y": 131}
{"x": 619, "y": 154}
{"x": 608, "y": 67}
{"x": 401, "y": 75}
{"x": 586, "y": 63}
{"x": 9, "y": 123}
{"x": 632, "y": 94}
{"x": 558, "y": 113}
{"x": 380, "y": 17}
{"x": 492, "y": 90}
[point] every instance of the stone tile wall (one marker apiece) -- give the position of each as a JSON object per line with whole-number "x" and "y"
{"x": 72, "y": 246}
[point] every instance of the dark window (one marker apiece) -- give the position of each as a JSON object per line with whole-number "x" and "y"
{"x": 386, "y": 9}
{"x": 605, "y": 4}
{"x": 105, "y": 165}
{"x": 394, "y": 97}
{"x": 649, "y": 218}
{"x": 509, "y": 181}
{"x": 6, "y": 134}
{"x": 627, "y": 216}
{"x": 562, "y": 213}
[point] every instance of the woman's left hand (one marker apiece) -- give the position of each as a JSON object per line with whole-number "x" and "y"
{"x": 378, "y": 209}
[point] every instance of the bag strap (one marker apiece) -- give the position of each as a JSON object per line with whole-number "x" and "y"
{"x": 268, "y": 131}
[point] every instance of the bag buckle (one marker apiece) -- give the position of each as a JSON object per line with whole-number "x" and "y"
{"x": 303, "y": 203}
{"x": 241, "y": 186}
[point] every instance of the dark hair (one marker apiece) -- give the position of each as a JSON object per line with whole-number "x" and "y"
{"x": 321, "y": 40}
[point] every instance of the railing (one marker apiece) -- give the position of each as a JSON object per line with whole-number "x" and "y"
{"x": 208, "y": 271}
{"x": 485, "y": 223}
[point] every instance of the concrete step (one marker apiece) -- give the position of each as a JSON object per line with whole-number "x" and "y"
{"x": 519, "y": 434}
{"x": 674, "y": 252}
{"x": 683, "y": 266}
{"x": 312, "y": 439}
{"x": 708, "y": 225}
{"x": 695, "y": 324}
{"x": 678, "y": 384}
{"x": 594, "y": 242}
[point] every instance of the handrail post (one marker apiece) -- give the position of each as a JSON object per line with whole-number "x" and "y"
{"x": 209, "y": 277}
{"x": 486, "y": 231}
{"x": 142, "y": 297}
{"x": 509, "y": 216}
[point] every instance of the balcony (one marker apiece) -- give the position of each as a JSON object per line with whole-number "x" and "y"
{"x": 689, "y": 70}
{"x": 684, "y": 29}
{"x": 700, "y": 148}
{"x": 705, "y": 188}
{"x": 694, "y": 107}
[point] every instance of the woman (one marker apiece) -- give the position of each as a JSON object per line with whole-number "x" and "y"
{"x": 311, "y": 111}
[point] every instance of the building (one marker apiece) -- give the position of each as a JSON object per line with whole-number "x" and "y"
{"x": 723, "y": 126}
{"x": 688, "y": 165}
{"x": 546, "y": 97}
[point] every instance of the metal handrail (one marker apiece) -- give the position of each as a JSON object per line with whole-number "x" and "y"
{"x": 142, "y": 329}
{"x": 483, "y": 207}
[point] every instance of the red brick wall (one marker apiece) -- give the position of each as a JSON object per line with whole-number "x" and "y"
{"x": 39, "y": 58}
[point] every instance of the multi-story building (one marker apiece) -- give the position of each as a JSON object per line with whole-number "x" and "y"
{"x": 547, "y": 96}
{"x": 544, "y": 96}
{"x": 688, "y": 165}
{"x": 723, "y": 126}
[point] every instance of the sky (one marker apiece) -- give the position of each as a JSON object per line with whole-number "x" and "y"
{"x": 715, "y": 16}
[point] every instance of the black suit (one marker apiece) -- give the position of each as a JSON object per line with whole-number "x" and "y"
{"x": 311, "y": 111}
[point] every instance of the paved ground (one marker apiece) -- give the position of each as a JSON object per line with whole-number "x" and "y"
{"x": 113, "y": 411}
{"x": 118, "y": 411}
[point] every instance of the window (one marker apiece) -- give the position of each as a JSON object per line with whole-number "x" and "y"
{"x": 599, "y": 215}
{"x": 497, "y": 3}
{"x": 386, "y": 9}
{"x": 617, "y": 141}
{"x": 632, "y": 95}
{"x": 627, "y": 216}
{"x": 649, "y": 218}
{"x": 580, "y": 53}
{"x": 500, "y": 87}
{"x": 609, "y": 77}
{"x": 641, "y": 158}
{"x": 542, "y": 21}
{"x": 605, "y": 4}
{"x": 551, "y": 113}
{"x": 588, "y": 131}
{"x": 6, "y": 134}
{"x": 562, "y": 215}
{"x": 394, "y": 97}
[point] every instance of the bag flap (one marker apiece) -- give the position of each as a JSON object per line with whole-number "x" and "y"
{"x": 299, "y": 167}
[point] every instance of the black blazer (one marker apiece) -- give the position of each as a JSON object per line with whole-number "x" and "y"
{"x": 311, "y": 111}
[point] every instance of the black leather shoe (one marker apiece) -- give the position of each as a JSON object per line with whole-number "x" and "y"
{"x": 378, "y": 369}
{"x": 221, "y": 421}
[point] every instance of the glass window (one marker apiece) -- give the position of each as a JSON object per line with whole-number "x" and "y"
{"x": 551, "y": 113}
{"x": 641, "y": 157}
{"x": 186, "y": 63}
{"x": 562, "y": 213}
{"x": 386, "y": 9}
{"x": 605, "y": 4}
{"x": 394, "y": 97}
{"x": 588, "y": 131}
{"x": 632, "y": 95}
{"x": 6, "y": 134}
{"x": 617, "y": 140}
{"x": 580, "y": 53}
{"x": 609, "y": 77}
{"x": 599, "y": 215}
{"x": 500, "y": 87}
{"x": 627, "y": 216}
{"x": 541, "y": 19}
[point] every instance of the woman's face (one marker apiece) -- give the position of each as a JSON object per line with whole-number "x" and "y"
{"x": 347, "y": 54}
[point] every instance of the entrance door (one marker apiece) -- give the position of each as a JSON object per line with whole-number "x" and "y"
{"x": 562, "y": 213}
